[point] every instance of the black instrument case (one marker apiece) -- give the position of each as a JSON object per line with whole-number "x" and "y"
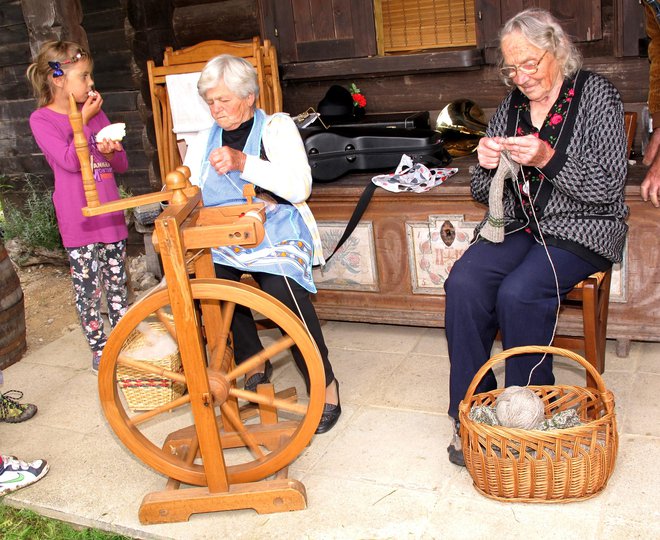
{"x": 335, "y": 152}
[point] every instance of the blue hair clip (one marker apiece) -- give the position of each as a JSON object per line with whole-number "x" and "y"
{"x": 57, "y": 66}
{"x": 57, "y": 69}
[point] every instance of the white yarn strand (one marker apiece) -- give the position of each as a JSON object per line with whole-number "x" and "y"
{"x": 271, "y": 246}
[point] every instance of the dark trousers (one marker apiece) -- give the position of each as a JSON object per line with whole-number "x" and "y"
{"x": 511, "y": 287}
{"x": 244, "y": 330}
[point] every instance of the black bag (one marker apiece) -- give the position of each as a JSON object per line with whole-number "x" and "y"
{"x": 334, "y": 152}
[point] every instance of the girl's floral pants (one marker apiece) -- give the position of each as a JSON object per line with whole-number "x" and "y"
{"x": 97, "y": 268}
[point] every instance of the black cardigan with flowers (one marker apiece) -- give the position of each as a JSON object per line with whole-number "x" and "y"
{"x": 577, "y": 197}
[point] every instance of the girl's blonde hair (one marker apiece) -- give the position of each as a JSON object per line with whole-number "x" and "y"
{"x": 54, "y": 57}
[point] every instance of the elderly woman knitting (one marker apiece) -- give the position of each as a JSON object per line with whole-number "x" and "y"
{"x": 247, "y": 146}
{"x": 552, "y": 169}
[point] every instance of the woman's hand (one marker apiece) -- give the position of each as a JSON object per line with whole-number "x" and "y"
{"x": 91, "y": 107}
{"x": 488, "y": 151}
{"x": 529, "y": 150}
{"x": 108, "y": 148}
{"x": 225, "y": 159}
{"x": 650, "y": 188}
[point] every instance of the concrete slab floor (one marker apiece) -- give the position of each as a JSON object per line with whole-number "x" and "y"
{"x": 382, "y": 472}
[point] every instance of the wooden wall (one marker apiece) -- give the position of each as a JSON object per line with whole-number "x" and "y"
{"x": 102, "y": 23}
{"x": 16, "y": 145}
{"x": 124, "y": 34}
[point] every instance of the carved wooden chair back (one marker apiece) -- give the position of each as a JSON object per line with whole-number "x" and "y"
{"x": 191, "y": 60}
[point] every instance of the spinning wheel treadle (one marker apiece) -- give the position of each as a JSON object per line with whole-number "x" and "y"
{"x": 217, "y": 436}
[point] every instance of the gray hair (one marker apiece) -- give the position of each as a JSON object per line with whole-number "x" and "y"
{"x": 544, "y": 31}
{"x": 238, "y": 74}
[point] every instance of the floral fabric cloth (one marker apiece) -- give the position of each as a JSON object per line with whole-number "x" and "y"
{"x": 414, "y": 177}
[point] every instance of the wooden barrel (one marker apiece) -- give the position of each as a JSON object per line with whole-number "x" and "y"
{"x": 12, "y": 313}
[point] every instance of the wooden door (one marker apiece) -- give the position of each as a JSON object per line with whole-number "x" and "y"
{"x": 312, "y": 30}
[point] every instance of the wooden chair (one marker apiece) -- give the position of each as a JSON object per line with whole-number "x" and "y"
{"x": 191, "y": 60}
{"x": 591, "y": 297}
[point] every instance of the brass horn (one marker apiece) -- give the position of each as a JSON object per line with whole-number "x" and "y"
{"x": 462, "y": 123}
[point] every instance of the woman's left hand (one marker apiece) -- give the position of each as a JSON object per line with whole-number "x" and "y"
{"x": 225, "y": 159}
{"x": 529, "y": 150}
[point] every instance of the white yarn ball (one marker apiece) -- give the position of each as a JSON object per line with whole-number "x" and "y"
{"x": 519, "y": 407}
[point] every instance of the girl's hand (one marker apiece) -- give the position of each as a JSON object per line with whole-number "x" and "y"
{"x": 529, "y": 150}
{"x": 108, "y": 148}
{"x": 91, "y": 107}
{"x": 488, "y": 151}
{"x": 225, "y": 159}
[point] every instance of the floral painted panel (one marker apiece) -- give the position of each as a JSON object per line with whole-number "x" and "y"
{"x": 353, "y": 267}
{"x": 433, "y": 247}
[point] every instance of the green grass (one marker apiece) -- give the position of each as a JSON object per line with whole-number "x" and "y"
{"x": 34, "y": 224}
{"x": 22, "y": 524}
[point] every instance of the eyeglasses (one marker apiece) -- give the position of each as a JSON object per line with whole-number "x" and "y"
{"x": 57, "y": 66}
{"x": 529, "y": 68}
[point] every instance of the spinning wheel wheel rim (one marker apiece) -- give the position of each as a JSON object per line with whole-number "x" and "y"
{"x": 172, "y": 466}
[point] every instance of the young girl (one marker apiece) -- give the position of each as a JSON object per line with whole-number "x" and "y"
{"x": 96, "y": 245}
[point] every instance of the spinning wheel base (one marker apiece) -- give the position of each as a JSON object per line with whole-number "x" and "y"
{"x": 266, "y": 497}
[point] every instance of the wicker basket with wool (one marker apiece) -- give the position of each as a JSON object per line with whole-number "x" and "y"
{"x": 149, "y": 344}
{"x": 555, "y": 466}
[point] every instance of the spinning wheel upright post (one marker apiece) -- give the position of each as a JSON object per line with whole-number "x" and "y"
{"x": 240, "y": 444}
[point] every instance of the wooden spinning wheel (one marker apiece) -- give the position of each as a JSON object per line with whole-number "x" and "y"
{"x": 218, "y": 436}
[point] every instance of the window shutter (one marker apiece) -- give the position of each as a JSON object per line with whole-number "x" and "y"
{"x": 409, "y": 25}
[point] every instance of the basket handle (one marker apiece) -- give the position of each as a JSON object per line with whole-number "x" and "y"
{"x": 527, "y": 349}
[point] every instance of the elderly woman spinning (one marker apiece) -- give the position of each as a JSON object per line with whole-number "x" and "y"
{"x": 559, "y": 137}
{"x": 247, "y": 146}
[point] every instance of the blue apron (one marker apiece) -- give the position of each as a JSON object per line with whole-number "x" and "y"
{"x": 287, "y": 246}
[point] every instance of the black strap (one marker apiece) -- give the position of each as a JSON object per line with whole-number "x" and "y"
{"x": 363, "y": 202}
{"x": 361, "y": 206}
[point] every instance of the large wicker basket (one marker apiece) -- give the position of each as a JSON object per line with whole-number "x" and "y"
{"x": 557, "y": 466}
{"x": 146, "y": 391}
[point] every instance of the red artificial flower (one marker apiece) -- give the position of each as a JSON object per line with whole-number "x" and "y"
{"x": 359, "y": 100}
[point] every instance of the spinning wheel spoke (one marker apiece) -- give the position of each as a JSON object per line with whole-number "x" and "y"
{"x": 282, "y": 404}
{"x": 166, "y": 320}
{"x": 244, "y": 434}
{"x": 217, "y": 361}
{"x": 167, "y": 407}
{"x": 259, "y": 359}
{"x": 150, "y": 368}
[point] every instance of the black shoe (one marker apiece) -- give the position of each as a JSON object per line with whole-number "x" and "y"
{"x": 331, "y": 414}
{"x": 455, "y": 448}
{"x": 259, "y": 378}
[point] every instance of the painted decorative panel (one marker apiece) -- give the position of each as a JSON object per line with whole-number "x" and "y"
{"x": 353, "y": 267}
{"x": 433, "y": 246}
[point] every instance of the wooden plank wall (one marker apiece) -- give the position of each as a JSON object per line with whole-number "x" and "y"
{"x": 103, "y": 21}
{"x": 124, "y": 34}
{"x": 16, "y": 143}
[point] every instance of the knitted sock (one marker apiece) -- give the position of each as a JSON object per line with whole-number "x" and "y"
{"x": 493, "y": 230}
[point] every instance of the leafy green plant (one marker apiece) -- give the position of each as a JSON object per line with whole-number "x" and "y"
{"x": 35, "y": 224}
{"x": 124, "y": 192}
{"x": 22, "y": 524}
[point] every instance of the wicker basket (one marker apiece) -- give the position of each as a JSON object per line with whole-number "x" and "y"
{"x": 146, "y": 391}
{"x": 563, "y": 465}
